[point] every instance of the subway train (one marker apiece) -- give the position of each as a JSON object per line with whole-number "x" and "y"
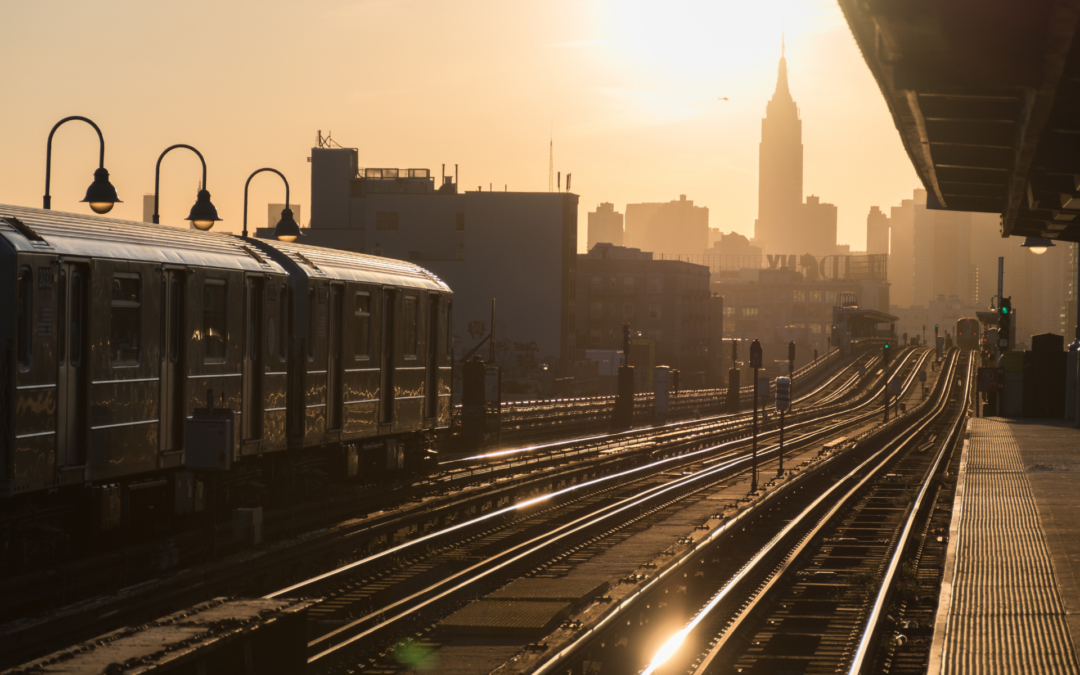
{"x": 120, "y": 336}
{"x": 967, "y": 333}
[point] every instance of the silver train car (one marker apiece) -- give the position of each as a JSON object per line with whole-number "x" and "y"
{"x": 117, "y": 333}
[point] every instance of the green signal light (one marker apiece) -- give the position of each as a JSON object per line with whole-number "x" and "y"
{"x": 1004, "y": 310}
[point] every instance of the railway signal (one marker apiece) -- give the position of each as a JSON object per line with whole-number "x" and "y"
{"x": 791, "y": 357}
{"x": 1005, "y": 315}
{"x": 783, "y": 403}
{"x": 755, "y": 363}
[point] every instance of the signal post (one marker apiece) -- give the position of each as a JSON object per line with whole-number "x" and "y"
{"x": 755, "y": 363}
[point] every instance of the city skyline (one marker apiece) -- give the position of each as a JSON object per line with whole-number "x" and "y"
{"x": 623, "y": 92}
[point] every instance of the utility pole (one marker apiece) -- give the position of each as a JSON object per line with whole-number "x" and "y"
{"x": 755, "y": 363}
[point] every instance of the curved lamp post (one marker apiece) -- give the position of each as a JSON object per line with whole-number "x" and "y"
{"x": 1037, "y": 245}
{"x": 203, "y": 215}
{"x": 101, "y": 195}
{"x": 287, "y": 229}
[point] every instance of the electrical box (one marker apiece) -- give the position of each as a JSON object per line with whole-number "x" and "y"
{"x": 211, "y": 442}
{"x": 247, "y": 526}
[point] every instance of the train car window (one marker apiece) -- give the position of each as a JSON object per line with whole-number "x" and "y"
{"x": 450, "y": 329}
{"x": 283, "y": 318}
{"x": 78, "y": 319}
{"x": 25, "y": 311}
{"x": 61, "y": 318}
{"x": 214, "y": 328}
{"x": 124, "y": 330}
{"x": 177, "y": 330}
{"x": 362, "y": 327}
{"x": 410, "y": 318}
{"x": 311, "y": 324}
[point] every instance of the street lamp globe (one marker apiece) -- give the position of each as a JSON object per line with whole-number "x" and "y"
{"x": 1037, "y": 245}
{"x": 101, "y": 194}
{"x": 287, "y": 230}
{"x": 204, "y": 214}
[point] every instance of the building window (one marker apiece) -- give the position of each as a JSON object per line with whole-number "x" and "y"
{"x": 594, "y": 337}
{"x": 596, "y": 285}
{"x": 730, "y": 311}
{"x": 815, "y": 310}
{"x": 628, "y": 285}
{"x": 613, "y": 284}
{"x": 386, "y": 220}
{"x": 609, "y": 309}
{"x": 213, "y": 321}
{"x": 411, "y": 317}
{"x": 362, "y": 327}
{"x": 654, "y": 335}
{"x": 628, "y": 310}
{"x": 830, "y": 296}
{"x": 654, "y": 310}
{"x": 126, "y": 319}
{"x": 25, "y": 312}
{"x": 749, "y": 312}
{"x": 800, "y": 296}
{"x": 460, "y": 222}
{"x": 815, "y": 296}
{"x": 815, "y": 328}
{"x": 596, "y": 310}
{"x": 656, "y": 284}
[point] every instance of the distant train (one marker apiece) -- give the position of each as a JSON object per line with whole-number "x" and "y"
{"x": 118, "y": 333}
{"x": 967, "y": 333}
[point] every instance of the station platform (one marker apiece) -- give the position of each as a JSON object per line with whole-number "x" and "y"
{"x": 1010, "y": 596}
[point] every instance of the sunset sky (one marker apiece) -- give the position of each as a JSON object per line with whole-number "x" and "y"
{"x": 629, "y": 89}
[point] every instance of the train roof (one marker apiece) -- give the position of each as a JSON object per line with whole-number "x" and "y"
{"x": 316, "y": 261}
{"x": 72, "y": 234}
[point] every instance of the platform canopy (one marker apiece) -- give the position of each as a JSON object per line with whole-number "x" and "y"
{"x": 986, "y": 97}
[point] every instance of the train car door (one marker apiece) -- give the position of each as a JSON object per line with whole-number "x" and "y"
{"x": 334, "y": 365}
{"x": 252, "y": 416}
{"x": 73, "y": 364}
{"x": 431, "y": 386}
{"x": 389, "y": 358}
{"x": 173, "y": 359}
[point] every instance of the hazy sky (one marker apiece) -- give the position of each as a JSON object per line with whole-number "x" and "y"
{"x": 629, "y": 87}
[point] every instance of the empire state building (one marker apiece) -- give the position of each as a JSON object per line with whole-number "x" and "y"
{"x": 780, "y": 170}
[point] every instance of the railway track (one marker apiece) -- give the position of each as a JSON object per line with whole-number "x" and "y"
{"x": 370, "y": 606}
{"x": 525, "y": 422}
{"x": 459, "y": 494}
{"x": 833, "y": 577}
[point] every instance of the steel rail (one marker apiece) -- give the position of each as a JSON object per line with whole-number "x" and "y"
{"x": 656, "y": 464}
{"x": 558, "y": 659}
{"x": 635, "y": 432}
{"x": 893, "y": 447}
{"x": 537, "y": 544}
{"x": 866, "y": 641}
{"x": 545, "y": 540}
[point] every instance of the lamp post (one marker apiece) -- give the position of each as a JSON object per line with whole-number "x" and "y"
{"x": 287, "y": 229}
{"x": 101, "y": 195}
{"x": 203, "y": 214}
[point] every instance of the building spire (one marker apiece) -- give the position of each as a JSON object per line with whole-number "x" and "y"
{"x": 782, "y": 90}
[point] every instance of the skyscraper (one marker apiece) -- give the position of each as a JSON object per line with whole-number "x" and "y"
{"x": 605, "y": 226}
{"x": 877, "y": 231}
{"x": 780, "y": 168}
{"x": 675, "y": 227}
